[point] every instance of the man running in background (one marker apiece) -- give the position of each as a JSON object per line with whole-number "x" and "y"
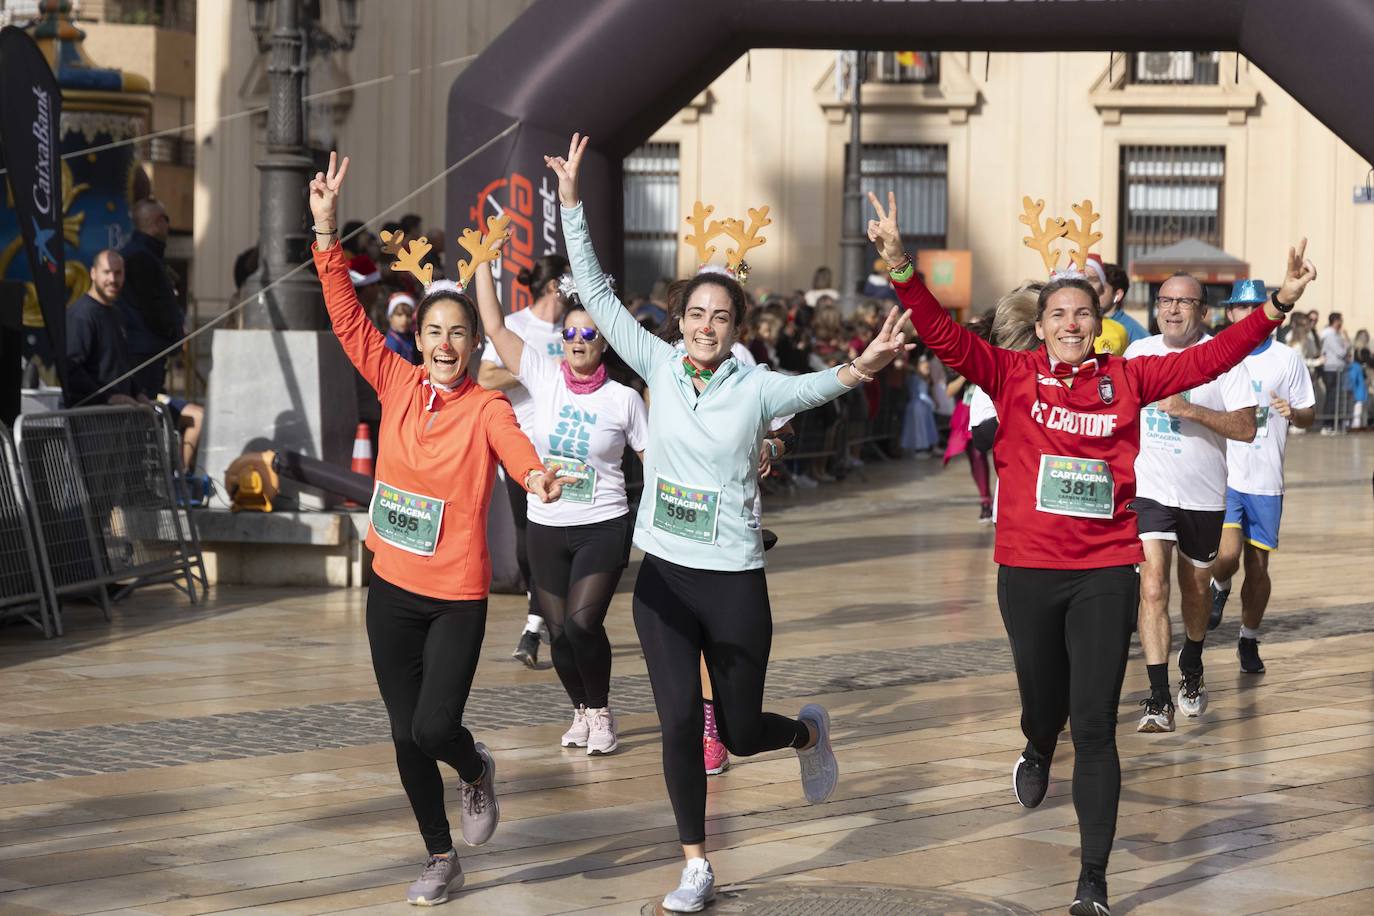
{"x": 1181, "y": 499}
{"x": 1254, "y": 481}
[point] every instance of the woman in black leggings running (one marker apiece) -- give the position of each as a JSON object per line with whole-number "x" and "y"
{"x": 1066, "y": 541}
{"x": 701, "y": 589}
{"x": 440, "y": 439}
{"x": 581, "y": 422}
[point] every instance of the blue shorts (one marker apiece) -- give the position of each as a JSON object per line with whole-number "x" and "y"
{"x": 1256, "y": 516}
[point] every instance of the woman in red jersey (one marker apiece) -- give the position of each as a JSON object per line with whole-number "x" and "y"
{"x": 440, "y": 439}
{"x": 1066, "y": 542}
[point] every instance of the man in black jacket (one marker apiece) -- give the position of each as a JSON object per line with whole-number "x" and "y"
{"x": 96, "y": 349}
{"x": 153, "y": 317}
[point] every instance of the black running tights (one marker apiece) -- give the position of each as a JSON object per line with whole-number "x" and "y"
{"x": 682, "y": 615}
{"x": 519, "y": 511}
{"x": 577, "y": 569}
{"x": 1069, "y": 632}
{"x": 424, "y": 653}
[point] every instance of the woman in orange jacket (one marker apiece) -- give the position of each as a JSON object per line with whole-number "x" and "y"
{"x": 440, "y": 439}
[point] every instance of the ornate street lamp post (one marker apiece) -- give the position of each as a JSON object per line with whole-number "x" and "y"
{"x": 293, "y": 303}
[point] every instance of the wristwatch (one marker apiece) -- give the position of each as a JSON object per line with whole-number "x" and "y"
{"x": 1279, "y": 305}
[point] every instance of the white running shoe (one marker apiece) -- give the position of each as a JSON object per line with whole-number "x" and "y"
{"x": 576, "y": 736}
{"x": 820, "y": 773}
{"x": 697, "y": 889}
{"x": 1192, "y": 693}
{"x": 601, "y": 737}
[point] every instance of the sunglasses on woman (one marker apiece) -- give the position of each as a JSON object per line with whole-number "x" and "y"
{"x": 588, "y": 334}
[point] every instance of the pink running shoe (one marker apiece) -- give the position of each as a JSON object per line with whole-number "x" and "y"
{"x": 715, "y": 756}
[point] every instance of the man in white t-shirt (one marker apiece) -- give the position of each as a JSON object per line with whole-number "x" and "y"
{"x": 1254, "y": 483}
{"x": 540, "y": 326}
{"x": 1181, "y": 499}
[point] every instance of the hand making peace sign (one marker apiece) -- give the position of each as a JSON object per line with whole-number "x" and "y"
{"x": 1300, "y": 272}
{"x": 566, "y": 170}
{"x": 324, "y": 193}
{"x": 884, "y": 231}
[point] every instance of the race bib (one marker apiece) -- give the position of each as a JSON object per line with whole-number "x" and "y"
{"x": 687, "y": 512}
{"x": 581, "y": 492}
{"x": 1081, "y": 487}
{"x": 409, "y": 521}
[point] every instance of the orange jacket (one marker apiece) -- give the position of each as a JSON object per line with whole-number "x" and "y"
{"x": 432, "y": 442}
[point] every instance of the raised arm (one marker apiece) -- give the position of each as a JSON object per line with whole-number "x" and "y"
{"x": 641, "y": 350}
{"x": 508, "y": 344}
{"x": 790, "y": 394}
{"x": 1158, "y": 377}
{"x": 960, "y": 349}
{"x": 362, "y": 342}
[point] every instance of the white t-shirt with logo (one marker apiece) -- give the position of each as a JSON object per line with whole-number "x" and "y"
{"x": 1181, "y": 462}
{"x": 1257, "y": 467}
{"x": 546, "y": 338}
{"x": 590, "y": 430}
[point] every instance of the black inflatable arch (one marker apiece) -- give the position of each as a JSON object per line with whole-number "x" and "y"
{"x": 618, "y": 69}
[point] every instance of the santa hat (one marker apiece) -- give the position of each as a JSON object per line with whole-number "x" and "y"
{"x": 397, "y": 300}
{"x": 1095, "y": 265}
{"x": 363, "y": 271}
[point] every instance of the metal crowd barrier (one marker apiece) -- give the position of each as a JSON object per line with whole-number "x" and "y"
{"x": 110, "y": 514}
{"x": 22, "y": 593}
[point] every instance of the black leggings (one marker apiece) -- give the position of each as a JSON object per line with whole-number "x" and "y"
{"x": 1069, "y": 633}
{"x": 424, "y": 653}
{"x": 681, "y": 615}
{"x": 578, "y": 568}
{"x": 519, "y": 510}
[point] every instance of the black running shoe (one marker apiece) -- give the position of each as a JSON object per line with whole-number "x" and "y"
{"x": 1218, "y": 606}
{"x": 1091, "y": 897}
{"x": 1247, "y": 650}
{"x": 528, "y": 650}
{"x": 985, "y": 514}
{"x": 1030, "y": 778}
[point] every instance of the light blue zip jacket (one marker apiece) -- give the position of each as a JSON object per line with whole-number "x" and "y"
{"x": 698, "y": 444}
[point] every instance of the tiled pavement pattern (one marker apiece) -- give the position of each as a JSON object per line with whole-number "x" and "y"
{"x": 43, "y": 754}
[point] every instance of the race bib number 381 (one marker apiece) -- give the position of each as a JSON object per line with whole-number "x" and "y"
{"x": 1080, "y": 487}
{"x": 688, "y": 512}
{"x": 410, "y": 521}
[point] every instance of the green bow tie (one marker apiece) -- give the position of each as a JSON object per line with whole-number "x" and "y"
{"x": 692, "y": 371}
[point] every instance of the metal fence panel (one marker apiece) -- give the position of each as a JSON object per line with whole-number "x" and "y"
{"x": 101, "y": 483}
{"x": 22, "y": 593}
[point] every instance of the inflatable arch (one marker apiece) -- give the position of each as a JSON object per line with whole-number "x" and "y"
{"x": 618, "y": 69}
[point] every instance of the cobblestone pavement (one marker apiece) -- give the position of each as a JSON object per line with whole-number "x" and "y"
{"x": 55, "y": 754}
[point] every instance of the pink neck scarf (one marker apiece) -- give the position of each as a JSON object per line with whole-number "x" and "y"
{"x": 583, "y": 385}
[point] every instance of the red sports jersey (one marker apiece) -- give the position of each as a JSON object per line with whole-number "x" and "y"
{"x": 1067, "y": 440}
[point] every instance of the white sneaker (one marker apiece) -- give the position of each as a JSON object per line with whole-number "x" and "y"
{"x": 1192, "y": 693}
{"x": 804, "y": 481}
{"x": 576, "y": 736}
{"x": 601, "y": 737}
{"x": 820, "y": 773}
{"x": 697, "y": 889}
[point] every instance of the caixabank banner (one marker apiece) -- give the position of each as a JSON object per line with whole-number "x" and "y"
{"x": 30, "y": 108}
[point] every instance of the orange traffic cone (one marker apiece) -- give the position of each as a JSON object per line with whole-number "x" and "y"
{"x": 362, "y": 455}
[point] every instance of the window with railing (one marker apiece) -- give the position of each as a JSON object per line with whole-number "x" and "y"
{"x": 919, "y": 175}
{"x": 651, "y": 215}
{"x": 903, "y": 67}
{"x": 169, "y": 149}
{"x": 18, "y": 12}
{"x": 1168, "y": 194}
{"x": 1175, "y": 68}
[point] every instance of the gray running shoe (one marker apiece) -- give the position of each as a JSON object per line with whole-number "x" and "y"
{"x": 698, "y": 888}
{"x": 481, "y": 811}
{"x": 441, "y": 874}
{"x": 820, "y": 772}
{"x": 1192, "y": 694}
{"x": 1218, "y": 605}
{"x": 1159, "y": 714}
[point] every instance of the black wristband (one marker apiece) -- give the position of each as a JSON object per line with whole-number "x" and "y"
{"x": 1285, "y": 309}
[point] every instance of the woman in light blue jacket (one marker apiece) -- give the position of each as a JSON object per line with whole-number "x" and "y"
{"x": 701, "y": 590}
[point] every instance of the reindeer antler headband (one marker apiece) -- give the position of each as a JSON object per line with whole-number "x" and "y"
{"x": 482, "y": 247}
{"x": 746, "y": 239}
{"x": 1043, "y": 236}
